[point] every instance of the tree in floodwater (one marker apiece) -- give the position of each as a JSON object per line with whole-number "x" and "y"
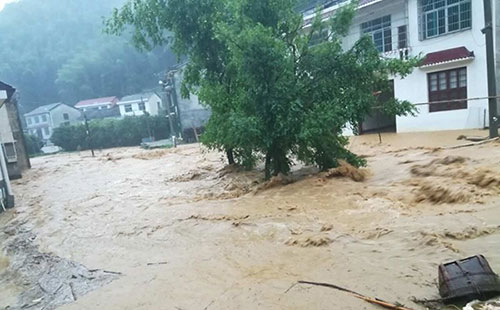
{"x": 274, "y": 90}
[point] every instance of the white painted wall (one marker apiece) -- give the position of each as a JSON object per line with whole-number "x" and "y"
{"x": 151, "y": 105}
{"x": 5, "y": 130}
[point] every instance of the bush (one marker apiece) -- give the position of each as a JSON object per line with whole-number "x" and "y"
{"x": 33, "y": 144}
{"x": 109, "y": 133}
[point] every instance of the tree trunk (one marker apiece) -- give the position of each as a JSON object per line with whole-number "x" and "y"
{"x": 268, "y": 166}
{"x": 230, "y": 156}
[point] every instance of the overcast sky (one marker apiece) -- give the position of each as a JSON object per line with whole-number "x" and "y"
{"x": 3, "y": 2}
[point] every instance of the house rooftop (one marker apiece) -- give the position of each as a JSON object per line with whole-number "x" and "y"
{"x": 96, "y": 101}
{"x": 43, "y": 109}
{"x": 137, "y": 97}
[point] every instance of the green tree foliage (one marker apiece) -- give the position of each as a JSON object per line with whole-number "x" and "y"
{"x": 33, "y": 144}
{"x": 56, "y": 51}
{"x": 109, "y": 133}
{"x": 272, "y": 92}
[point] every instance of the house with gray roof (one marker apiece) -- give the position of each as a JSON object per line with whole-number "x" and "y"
{"x": 139, "y": 104}
{"x": 43, "y": 120}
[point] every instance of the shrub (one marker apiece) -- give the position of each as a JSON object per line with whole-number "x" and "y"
{"x": 109, "y": 133}
{"x": 33, "y": 144}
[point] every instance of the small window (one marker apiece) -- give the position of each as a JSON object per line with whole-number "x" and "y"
{"x": 66, "y": 116}
{"x": 44, "y": 118}
{"x": 449, "y": 85}
{"x": 37, "y": 119}
{"x": 402, "y": 37}
{"x": 128, "y": 108}
{"x": 380, "y": 31}
{"x": 28, "y": 120}
{"x": 142, "y": 106}
{"x": 10, "y": 152}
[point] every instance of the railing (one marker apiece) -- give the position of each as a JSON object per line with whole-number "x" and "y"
{"x": 401, "y": 53}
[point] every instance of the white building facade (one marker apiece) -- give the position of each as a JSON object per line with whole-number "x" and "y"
{"x": 447, "y": 34}
{"x": 140, "y": 104}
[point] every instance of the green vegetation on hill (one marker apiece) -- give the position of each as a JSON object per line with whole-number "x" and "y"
{"x": 55, "y": 50}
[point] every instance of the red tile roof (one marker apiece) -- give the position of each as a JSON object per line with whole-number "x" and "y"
{"x": 444, "y": 56}
{"x": 97, "y": 101}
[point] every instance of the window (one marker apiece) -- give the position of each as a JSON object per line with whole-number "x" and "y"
{"x": 319, "y": 37}
{"x": 402, "y": 37}
{"x": 10, "y": 152}
{"x": 158, "y": 105}
{"x": 44, "y": 118}
{"x": 447, "y": 85}
{"x": 380, "y": 31}
{"x": 444, "y": 16}
{"x": 28, "y": 120}
{"x": 37, "y": 119}
{"x": 128, "y": 108}
{"x": 66, "y": 116}
{"x": 142, "y": 106}
{"x": 46, "y": 131}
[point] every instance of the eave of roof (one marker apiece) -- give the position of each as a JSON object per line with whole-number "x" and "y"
{"x": 452, "y": 55}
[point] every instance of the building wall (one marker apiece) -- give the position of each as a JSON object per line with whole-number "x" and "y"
{"x": 23, "y": 161}
{"x": 57, "y": 115}
{"x": 151, "y": 106}
{"x": 42, "y": 128}
{"x": 496, "y": 17}
{"x": 191, "y": 112}
{"x": 5, "y": 130}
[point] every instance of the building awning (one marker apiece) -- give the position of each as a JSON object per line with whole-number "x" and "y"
{"x": 452, "y": 55}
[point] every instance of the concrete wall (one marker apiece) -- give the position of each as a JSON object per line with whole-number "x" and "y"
{"x": 191, "y": 112}
{"x": 151, "y": 106}
{"x": 57, "y": 115}
{"x": 5, "y": 131}
{"x": 23, "y": 161}
{"x": 496, "y": 17}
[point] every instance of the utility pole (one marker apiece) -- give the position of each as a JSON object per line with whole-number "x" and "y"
{"x": 167, "y": 89}
{"x": 89, "y": 137}
{"x": 490, "y": 63}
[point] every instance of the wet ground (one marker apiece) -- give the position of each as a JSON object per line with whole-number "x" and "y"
{"x": 186, "y": 232}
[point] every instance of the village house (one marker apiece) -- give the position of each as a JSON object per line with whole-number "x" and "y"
{"x": 12, "y": 143}
{"x": 43, "y": 120}
{"x": 97, "y": 104}
{"x": 447, "y": 34}
{"x": 99, "y": 108}
{"x": 139, "y": 104}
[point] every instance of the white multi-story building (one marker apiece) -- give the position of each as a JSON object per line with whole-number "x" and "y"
{"x": 447, "y": 34}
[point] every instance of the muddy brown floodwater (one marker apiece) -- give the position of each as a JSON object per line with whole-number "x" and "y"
{"x": 185, "y": 232}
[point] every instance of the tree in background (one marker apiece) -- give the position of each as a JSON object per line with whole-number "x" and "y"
{"x": 273, "y": 93}
{"x": 55, "y": 51}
